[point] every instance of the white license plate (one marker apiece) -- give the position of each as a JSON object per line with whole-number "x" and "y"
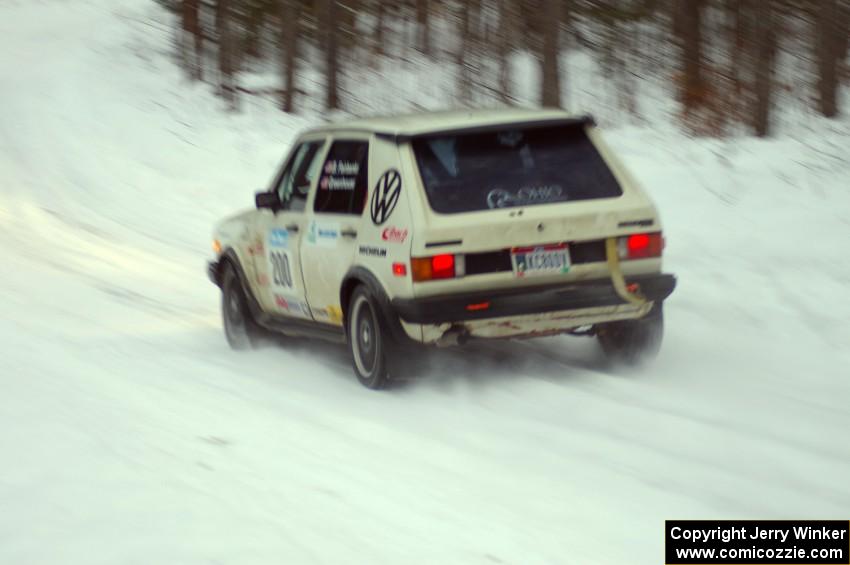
{"x": 534, "y": 261}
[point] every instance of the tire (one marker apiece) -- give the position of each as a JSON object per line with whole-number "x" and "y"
{"x": 369, "y": 341}
{"x": 240, "y": 328}
{"x": 633, "y": 342}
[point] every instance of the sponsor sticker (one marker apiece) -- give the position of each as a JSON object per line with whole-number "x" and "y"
{"x": 334, "y": 314}
{"x": 292, "y": 305}
{"x": 256, "y": 248}
{"x": 278, "y": 238}
{"x": 371, "y": 251}
{"x": 323, "y": 234}
{"x": 394, "y": 234}
{"x": 527, "y": 195}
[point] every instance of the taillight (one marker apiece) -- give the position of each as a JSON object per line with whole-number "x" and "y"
{"x": 443, "y": 266}
{"x": 640, "y": 246}
{"x": 400, "y": 269}
{"x": 436, "y": 267}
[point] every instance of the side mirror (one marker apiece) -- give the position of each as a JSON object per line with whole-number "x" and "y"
{"x": 266, "y": 200}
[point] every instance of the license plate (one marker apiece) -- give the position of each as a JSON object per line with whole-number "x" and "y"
{"x": 535, "y": 261}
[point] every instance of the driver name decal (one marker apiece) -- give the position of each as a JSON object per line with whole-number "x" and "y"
{"x": 340, "y": 175}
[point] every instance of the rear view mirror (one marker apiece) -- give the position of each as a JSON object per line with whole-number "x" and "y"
{"x": 266, "y": 200}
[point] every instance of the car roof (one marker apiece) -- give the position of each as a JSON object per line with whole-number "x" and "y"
{"x": 430, "y": 123}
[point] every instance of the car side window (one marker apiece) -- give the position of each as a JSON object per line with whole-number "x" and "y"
{"x": 344, "y": 182}
{"x": 295, "y": 182}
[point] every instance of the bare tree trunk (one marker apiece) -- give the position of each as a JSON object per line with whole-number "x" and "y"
{"x": 226, "y": 52}
{"x": 843, "y": 29}
{"x": 331, "y": 55}
{"x": 423, "y": 25}
{"x": 607, "y": 43}
{"x": 192, "y": 38}
{"x": 765, "y": 48}
{"x": 503, "y": 48}
{"x": 464, "y": 80}
{"x": 627, "y": 95}
{"x": 551, "y": 83}
{"x": 690, "y": 33}
{"x": 198, "y": 31}
{"x": 736, "y": 22}
{"x": 844, "y": 41}
{"x": 828, "y": 56}
{"x": 290, "y": 14}
{"x": 379, "y": 28}
{"x": 253, "y": 22}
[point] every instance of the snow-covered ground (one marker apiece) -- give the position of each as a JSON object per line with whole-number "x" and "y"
{"x": 129, "y": 433}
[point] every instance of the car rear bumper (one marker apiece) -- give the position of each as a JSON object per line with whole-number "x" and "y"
{"x": 484, "y": 305}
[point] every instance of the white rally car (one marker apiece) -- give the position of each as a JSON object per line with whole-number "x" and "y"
{"x": 444, "y": 227}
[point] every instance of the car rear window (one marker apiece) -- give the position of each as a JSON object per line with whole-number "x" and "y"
{"x": 512, "y": 167}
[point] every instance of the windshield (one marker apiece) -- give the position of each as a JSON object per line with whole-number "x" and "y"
{"x": 512, "y": 167}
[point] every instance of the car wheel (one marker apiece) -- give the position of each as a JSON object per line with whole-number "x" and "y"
{"x": 369, "y": 343}
{"x": 241, "y": 330}
{"x": 632, "y": 342}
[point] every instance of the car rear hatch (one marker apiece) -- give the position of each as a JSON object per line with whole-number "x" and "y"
{"x": 523, "y": 205}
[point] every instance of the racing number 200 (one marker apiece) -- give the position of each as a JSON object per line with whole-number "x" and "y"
{"x": 281, "y": 273}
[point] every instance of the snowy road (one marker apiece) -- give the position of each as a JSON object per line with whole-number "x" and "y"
{"x": 131, "y": 434}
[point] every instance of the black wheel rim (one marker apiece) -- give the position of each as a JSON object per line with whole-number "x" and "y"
{"x": 365, "y": 338}
{"x": 233, "y": 309}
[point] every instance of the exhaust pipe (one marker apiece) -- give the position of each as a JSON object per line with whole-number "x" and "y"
{"x": 453, "y": 336}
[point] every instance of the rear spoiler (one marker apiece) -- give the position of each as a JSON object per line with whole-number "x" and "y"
{"x": 581, "y": 121}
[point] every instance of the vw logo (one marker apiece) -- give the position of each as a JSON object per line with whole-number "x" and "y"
{"x": 385, "y": 196}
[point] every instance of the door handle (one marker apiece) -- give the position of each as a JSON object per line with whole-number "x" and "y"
{"x": 349, "y": 233}
{"x": 293, "y": 228}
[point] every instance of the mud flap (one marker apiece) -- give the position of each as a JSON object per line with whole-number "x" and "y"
{"x": 617, "y": 279}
